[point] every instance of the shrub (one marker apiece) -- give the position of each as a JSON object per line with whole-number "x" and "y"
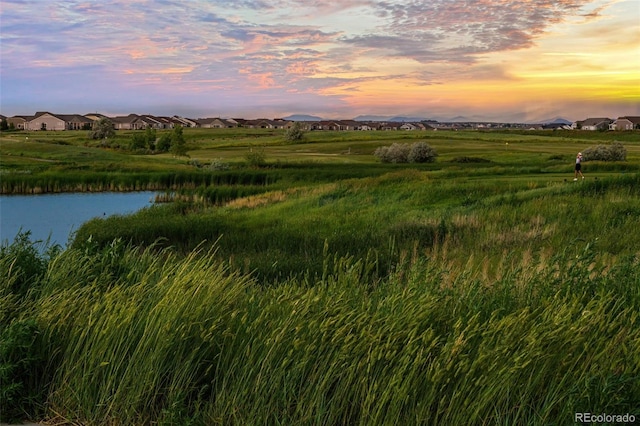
{"x": 465, "y": 160}
{"x": 219, "y": 164}
{"x": 102, "y": 129}
{"x": 614, "y": 152}
{"x": 419, "y": 152}
{"x": 396, "y": 153}
{"x": 256, "y": 158}
{"x": 138, "y": 142}
{"x": 294, "y": 134}
{"x": 195, "y": 163}
{"x": 164, "y": 143}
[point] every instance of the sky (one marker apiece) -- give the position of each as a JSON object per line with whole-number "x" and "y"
{"x": 499, "y": 60}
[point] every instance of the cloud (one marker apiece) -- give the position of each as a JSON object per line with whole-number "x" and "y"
{"x": 460, "y": 30}
{"x": 274, "y": 51}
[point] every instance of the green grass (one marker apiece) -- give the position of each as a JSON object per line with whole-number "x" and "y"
{"x": 326, "y": 288}
{"x": 155, "y": 337}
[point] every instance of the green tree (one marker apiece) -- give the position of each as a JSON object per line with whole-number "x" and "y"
{"x": 102, "y": 129}
{"x": 294, "y": 134}
{"x": 178, "y": 145}
{"x": 4, "y": 125}
{"x": 138, "y": 142}
{"x": 164, "y": 142}
{"x": 150, "y": 138}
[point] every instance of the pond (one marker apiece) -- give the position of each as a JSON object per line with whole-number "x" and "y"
{"x": 57, "y": 216}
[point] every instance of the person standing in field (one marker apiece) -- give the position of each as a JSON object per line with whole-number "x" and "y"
{"x": 578, "y": 169}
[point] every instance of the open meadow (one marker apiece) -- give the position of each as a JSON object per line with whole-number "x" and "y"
{"x": 309, "y": 283}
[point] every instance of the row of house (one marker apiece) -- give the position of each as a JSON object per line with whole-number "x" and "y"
{"x": 621, "y": 123}
{"x": 44, "y": 120}
{"x": 48, "y": 121}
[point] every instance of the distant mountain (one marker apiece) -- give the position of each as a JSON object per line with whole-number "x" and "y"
{"x": 407, "y": 119}
{"x": 371, "y": 118}
{"x": 557, "y": 120}
{"x": 399, "y": 119}
{"x": 459, "y": 118}
{"x": 302, "y": 117}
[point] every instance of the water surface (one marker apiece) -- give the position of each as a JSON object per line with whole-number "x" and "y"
{"x": 57, "y": 216}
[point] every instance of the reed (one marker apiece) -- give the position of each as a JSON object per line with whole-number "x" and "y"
{"x": 159, "y": 337}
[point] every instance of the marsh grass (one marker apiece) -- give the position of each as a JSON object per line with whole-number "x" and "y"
{"x": 279, "y": 233}
{"x": 135, "y": 336}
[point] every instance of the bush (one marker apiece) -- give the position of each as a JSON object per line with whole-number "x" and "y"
{"x": 164, "y": 143}
{"x": 614, "y": 152}
{"x": 256, "y": 158}
{"x": 219, "y": 164}
{"x": 102, "y": 129}
{"x": 419, "y": 152}
{"x": 465, "y": 160}
{"x": 294, "y": 134}
{"x": 138, "y": 142}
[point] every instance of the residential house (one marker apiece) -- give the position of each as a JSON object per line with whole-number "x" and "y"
{"x": 240, "y": 122}
{"x": 215, "y": 123}
{"x": 145, "y": 121}
{"x": 348, "y": 124}
{"x": 76, "y": 122}
{"x": 165, "y": 122}
{"x": 95, "y": 116}
{"x": 327, "y": 125}
{"x": 391, "y": 125}
{"x": 263, "y": 123}
{"x": 626, "y": 123}
{"x": 184, "y": 122}
{"x": 279, "y": 123}
{"x": 44, "y": 120}
{"x": 368, "y": 126}
{"x": 19, "y": 121}
{"x": 556, "y": 126}
{"x": 124, "y": 122}
{"x": 414, "y": 126}
{"x": 593, "y": 124}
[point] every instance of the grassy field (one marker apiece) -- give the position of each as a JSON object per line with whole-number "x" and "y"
{"x": 310, "y": 284}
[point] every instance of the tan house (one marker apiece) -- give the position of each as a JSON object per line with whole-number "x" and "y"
{"x": 593, "y": 124}
{"x": 19, "y": 121}
{"x": 391, "y": 125}
{"x": 44, "y": 120}
{"x": 263, "y": 123}
{"x": 124, "y": 122}
{"x": 413, "y": 126}
{"x": 184, "y": 122}
{"x": 626, "y": 123}
{"x": 95, "y": 116}
{"x": 216, "y": 123}
{"x": 76, "y": 122}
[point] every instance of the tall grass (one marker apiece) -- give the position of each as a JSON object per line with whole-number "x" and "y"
{"x": 282, "y": 233}
{"x": 134, "y": 336}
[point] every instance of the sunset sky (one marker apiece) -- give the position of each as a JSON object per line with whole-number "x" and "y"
{"x": 521, "y": 60}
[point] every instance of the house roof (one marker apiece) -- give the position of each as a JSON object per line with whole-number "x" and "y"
{"x": 596, "y": 121}
{"x": 125, "y": 119}
{"x": 633, "y": 119}
{"x": 74, "y": 117}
